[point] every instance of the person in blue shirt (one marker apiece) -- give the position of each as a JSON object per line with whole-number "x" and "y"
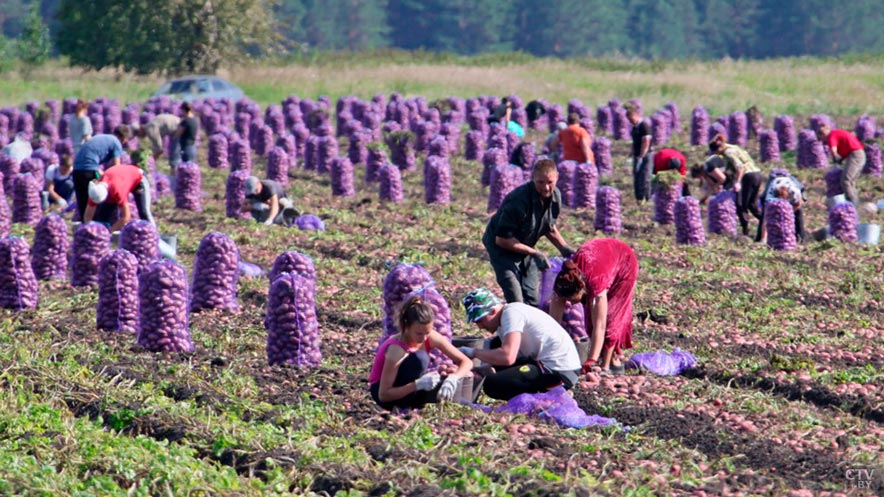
{"x": 100, "y": 149}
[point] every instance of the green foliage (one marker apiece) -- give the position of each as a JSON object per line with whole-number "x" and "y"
{"x": 34, "y": 45}
{"x": 167, "y": 36}
{"x": 7, "y": 56}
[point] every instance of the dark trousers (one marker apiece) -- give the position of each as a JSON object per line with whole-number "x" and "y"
{"x": 104, "y": 213}
{"x": 642, "y": 171}
{"x": 525, "y": 376}
{"x": 519, "y": 279}
{"x": 410, "y": 370}
{"x": 81, "y": 188}
{"x": 747, "y": 200}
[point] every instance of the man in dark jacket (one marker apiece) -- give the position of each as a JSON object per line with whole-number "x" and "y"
{"x": 527, "y": 213}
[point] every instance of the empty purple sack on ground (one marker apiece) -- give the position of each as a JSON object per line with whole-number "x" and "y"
{"x": 554, "y": 405}
{"x": 249, "y": 270}
{"x": 309, "y": 222}
{"x": 663, "y": 363}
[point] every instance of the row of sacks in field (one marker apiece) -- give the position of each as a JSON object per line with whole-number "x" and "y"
{"x": 151, "y": 297}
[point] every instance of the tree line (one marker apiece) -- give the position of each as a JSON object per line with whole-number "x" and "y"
{"x": 172, "y": 36}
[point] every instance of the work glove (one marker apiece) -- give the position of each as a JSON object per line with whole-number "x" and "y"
{"x": 467, "y": 351}
{"x": 566, "y": 251}
{"x": 428, "y": 381}
{"x": 541, "y": 260}
{"x": 62, "y": 204}
{"x": 448, "y": 388}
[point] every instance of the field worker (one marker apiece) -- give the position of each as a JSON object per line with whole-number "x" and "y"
{"x": 268, "y": 202}
{"x": 575, "y": 141}
{"x": 399, "y": 377}
{"x": 527, "y": 213}
{"x": 59, "y": 188}
{"x": 79, "y": 126}
{"x": 670, "y": 159}
{"x": 641, "y": 154}
{"x": 186, "y": 135}
{"x": 100, "y": 149}
{"x": 553, "y": 152}
{"x": 156, "y": 129}
{"x": 786, "y": 187}
{"x": 743, "y": 175}
{"x": 602, "y": 276}
{"x": 846, "y": 149}
{"x": 19, "y": 148}
{"x": 111, "y": 192}
{"x": 502, "y": 113}
{"x": 530, "y": 352}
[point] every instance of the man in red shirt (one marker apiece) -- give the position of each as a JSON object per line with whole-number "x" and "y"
{"x": 576, "y": 142}
{"x": 670, "y": 159}
{"x": 848, "y": 149}
{"x": 111, "y": 192}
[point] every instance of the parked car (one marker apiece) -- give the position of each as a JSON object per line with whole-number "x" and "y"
{"x": 199, "y": 87}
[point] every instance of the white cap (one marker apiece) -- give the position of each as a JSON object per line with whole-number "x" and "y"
{"x": 97, "y": 191}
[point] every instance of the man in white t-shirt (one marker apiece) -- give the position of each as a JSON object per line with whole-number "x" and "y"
{"x": 535, "y": 353}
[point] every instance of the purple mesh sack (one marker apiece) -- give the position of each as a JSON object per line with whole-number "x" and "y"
{"x": 604, "y": 119}
{"x": 785, "y": 129}
{"x": 91, "y": 242}
{"x": 309, "y": 222}
{"x": 26, "y": 206}
{"x": 188, "y": 187}
{"x": 688, "y": 222}
{"x": 833, "y": 181}
{"x": 295, "y": 263}
{"x": 622, "y": 127}
{"x": 601, "y": 149}
{"x": 218, "y": 153}
{"x": 18, "y": 285}
{"x": 356, "y": 149}
{"x": 401, "y": 281}
{"x": 117, "y": 292}
{"x": 235, "y": 195}
{"x": 607, "y": 210}
{"x": 278, "y": 164}
{"x": 504, "y": 179}
{"x": 390, "y": 179}
{"x": 240, "y": 156}
{"x": 51, "y": 244}
{"x": 376, "y": 158}
{"x": 215, "y": 273}
{"x": 865, "y": 128}
{"x": 769, "y": 146}
{"x": 779, "y": 219}
{"x": 326, "y": 153}
{"x": 586, "y": 183}
{"x": 140, "y": 238}
{"x": 249, "y": 270}
{"x": 9, "y": 167}
{"x": 162, "y": 320}
{"x": 873, "y": 160}
{"x": 843, "y": 222}
{"x": 557, "y": 406}
{"x": 493, "y": 157}
{"x": 723, "y": 214}
{"x": 663, "y": 363}
{"x": 292, "y": 326}
{"x": 738, "y": 129}
{"x": 666, "y": 192}
{"x": 437, "y": 180}
{"x": 567, "y": 171}
{"x": 342, "y": 177}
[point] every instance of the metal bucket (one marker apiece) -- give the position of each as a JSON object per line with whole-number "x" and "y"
{"x": 583, "y": 349}
{"x": 474, "y": 342}
{"x": 869, "y": 233}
